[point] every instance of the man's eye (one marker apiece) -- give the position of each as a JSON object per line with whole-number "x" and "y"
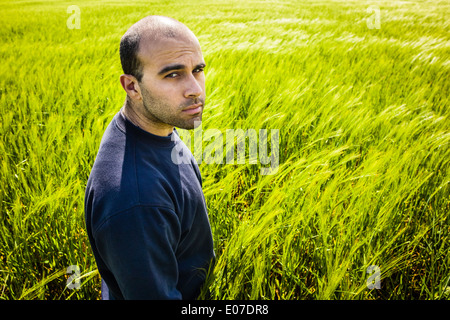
{"x": 198, "y": 70}
{"x": 171, "y": 75}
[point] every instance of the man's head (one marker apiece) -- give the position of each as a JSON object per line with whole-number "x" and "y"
{"x": 163, "y": 75}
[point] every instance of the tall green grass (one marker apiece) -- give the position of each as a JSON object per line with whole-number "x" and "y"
{"x": 363, "y": 175}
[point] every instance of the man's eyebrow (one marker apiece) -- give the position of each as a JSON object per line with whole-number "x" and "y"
{"x": 200, "y": 66}
{"x": 172, "y": 67}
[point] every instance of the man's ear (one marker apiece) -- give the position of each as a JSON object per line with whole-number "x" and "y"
{"x": 131, "y": 86}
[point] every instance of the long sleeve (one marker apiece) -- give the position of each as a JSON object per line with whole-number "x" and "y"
{"x": 139, "y": 246}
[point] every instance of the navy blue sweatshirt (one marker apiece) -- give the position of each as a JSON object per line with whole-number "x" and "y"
{"x": 146, "y": 216}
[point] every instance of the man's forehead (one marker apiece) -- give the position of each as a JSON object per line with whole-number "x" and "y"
{"x": 164, "y": 51}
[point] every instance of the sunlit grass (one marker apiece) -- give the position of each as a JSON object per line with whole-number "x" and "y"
{"x": 362, "y": 114}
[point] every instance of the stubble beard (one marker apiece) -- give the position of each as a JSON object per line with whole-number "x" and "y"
{"x": 159, "y": 112}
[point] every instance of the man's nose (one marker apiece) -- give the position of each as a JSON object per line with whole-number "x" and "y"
{"x": 193, "y": 88}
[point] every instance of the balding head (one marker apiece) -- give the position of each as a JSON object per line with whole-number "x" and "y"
{"x": 149, "y": 30}
{"x": 163, "y": 75}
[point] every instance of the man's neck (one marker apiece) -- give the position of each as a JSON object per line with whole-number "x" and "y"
{"x": 143, "y": 122}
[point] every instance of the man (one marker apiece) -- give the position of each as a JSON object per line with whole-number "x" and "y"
{"x": 145, "y": 211}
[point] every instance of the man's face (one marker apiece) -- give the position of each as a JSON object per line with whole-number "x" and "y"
{"x": 173, "y": 82}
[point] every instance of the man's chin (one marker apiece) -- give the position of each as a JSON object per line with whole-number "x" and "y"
{"x": 193, "y": 123}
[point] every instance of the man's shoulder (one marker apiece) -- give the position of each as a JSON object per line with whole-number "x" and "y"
{"x": 120, "y": 184}
{"x": 123, "y": 194}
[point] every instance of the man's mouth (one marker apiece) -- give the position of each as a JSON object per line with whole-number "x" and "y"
{"x": 194, "y": 108}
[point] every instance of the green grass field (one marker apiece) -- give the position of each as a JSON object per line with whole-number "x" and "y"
{"x": 364, "y": 132}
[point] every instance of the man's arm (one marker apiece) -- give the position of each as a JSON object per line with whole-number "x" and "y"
{"x": 138, "y": 246}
